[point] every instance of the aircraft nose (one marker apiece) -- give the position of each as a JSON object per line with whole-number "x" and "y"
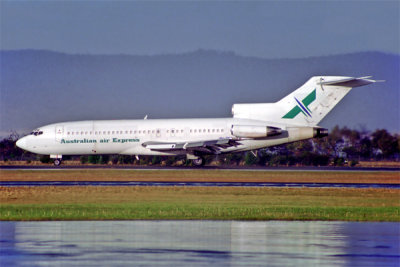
{"x": 21, "y": 143}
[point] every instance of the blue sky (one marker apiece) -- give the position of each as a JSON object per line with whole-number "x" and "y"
{"x": 268, "y": 29}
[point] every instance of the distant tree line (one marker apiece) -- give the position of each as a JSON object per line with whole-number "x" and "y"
{"x": 341, "y": 146}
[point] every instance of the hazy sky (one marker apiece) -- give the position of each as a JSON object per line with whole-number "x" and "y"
{"x": 268, "y": 29}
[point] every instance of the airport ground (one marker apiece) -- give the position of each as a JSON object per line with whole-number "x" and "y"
{"x": 290, "y": 175}
{"x": 76, "y": 163}
{"x": 211, "y": 203}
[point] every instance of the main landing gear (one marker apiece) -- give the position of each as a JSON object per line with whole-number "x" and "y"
{"x": 198, "y": 162}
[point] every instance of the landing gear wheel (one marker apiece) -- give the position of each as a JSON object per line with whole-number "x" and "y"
{"x": 198, "y": 162}
{"x": 57, "y": 162}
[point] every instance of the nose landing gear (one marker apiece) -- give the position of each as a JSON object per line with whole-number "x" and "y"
{"x": 57, "y": 159}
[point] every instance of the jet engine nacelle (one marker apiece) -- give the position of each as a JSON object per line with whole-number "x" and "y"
{"x": 253, "y": 131}
{"x": 302, "y": 133}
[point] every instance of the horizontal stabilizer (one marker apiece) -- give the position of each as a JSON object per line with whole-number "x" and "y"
{"x": 349, "y": 82}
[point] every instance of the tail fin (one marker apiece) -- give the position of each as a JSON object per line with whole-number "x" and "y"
{"x": 307, "y": 105}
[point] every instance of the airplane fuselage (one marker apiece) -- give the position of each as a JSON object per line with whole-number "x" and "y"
{"x": 128, "y": 136}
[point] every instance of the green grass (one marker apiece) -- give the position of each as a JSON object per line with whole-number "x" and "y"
{"x": 163, "y": 211}
{"x": 190, "y": 203}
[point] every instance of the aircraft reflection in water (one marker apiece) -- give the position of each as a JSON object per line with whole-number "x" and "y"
{"x": 253, "y": 126}
{"x": 200, "y": 243}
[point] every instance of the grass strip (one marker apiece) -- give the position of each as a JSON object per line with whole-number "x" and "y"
{"x": 189, "y": 203}
{"x": 162, "y": 211}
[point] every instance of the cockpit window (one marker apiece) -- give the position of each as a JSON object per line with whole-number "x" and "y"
{"x": 36, "y": 132}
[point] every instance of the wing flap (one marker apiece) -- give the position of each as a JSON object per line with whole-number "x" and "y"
{"x": 207, "y": 146}
{"x": 161, "y": 146}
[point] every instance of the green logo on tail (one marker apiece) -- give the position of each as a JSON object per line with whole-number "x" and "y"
{"x": 302, "y": 106}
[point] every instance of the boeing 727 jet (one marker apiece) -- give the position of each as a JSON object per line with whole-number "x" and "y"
{"x": 253, "y": 126}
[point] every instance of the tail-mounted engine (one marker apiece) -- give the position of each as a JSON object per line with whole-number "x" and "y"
{"x": 253, "y": 131}
{"x": 320, "y": 132}
{"x": 302, "y": 133}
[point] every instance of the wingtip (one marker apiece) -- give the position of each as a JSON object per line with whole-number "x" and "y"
{"x": 368, "y": 78}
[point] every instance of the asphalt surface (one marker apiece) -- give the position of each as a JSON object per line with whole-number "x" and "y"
{"x": 238, "y": 168}
{"x": 194, "y": 184}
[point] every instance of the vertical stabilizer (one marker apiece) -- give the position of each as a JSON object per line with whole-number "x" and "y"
{"x": 307, "y": 105}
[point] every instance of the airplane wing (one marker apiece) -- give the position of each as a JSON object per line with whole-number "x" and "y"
{"x": 205, "y": 147}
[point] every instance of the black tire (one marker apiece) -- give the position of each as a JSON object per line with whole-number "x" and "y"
{"x": 198, "y": 162}
{"x": 57, "y": 162}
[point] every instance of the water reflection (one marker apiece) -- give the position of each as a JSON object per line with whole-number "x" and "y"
{"x": 199, "y": 243}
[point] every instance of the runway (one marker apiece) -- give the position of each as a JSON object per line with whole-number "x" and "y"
{"x": 176, "y": 168}
{"x": 196, "y": 184}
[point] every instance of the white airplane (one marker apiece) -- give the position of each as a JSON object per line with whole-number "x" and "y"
{"x": 253, "y": 126}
